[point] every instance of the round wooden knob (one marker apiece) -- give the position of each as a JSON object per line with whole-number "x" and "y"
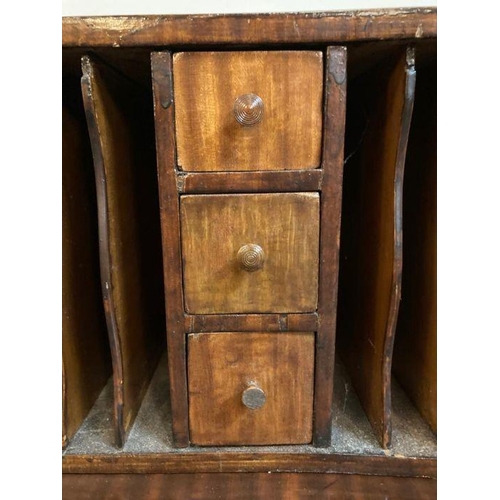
{"x": 253, "y": 398}
{"x": 248, "y": 109}
{"x": 251, "y": 257}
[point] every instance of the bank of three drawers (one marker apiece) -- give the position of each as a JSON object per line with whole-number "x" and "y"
{"x": 250, "y": 157}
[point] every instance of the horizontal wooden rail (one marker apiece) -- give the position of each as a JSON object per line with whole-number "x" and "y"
{"x": 250, "y": 462}
{"x": 251, "y": 323}
{"x": 250, "y": 182}
{"x": 330, "y": 27}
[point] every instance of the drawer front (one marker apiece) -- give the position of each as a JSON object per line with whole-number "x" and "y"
{"x": 250, "y": 253}
{"x": 250, "y": 388}
{"x": 248, "y": 110}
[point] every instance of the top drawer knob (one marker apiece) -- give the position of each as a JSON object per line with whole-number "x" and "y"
{"x": 248, "y": 109}
{"x": 251, "y": 257}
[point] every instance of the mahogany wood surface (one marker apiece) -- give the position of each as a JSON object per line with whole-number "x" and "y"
{"x": 85, "y": 351}
{"x": 161, "y": 66}
{"x": 415, "y": 349}
{"x": 122, "y": 141}
{"x": 331, "y": 204}
{"x": 372, "y": 235}
{"x": 246, "y": 486}
{"x": 315, "y": 27}
{"x": 221, "y": 366}
{"x": 289, "y": 85}
{"x": 215, "y": 227}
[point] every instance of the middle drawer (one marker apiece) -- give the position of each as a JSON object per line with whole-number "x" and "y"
{"x": 250, "y": 253}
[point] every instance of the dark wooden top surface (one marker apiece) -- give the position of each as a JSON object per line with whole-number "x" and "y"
{"x": 249, "y": 29}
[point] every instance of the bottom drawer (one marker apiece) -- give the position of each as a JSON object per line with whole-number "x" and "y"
{"x": 250, "y": 388}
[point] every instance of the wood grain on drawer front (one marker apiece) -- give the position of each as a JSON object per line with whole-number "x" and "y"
{"x": 214, "y": 229}
{"x": 222, "y": 366}
{"x": 209, "y": 138}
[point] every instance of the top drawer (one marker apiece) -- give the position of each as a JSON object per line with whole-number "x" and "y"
{"x": 248, "y": 110}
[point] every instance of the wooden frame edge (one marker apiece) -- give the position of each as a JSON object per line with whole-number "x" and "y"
{"x": 392, "y": 316}
{"x": 335, "y": 87}
{"x": 207, "y": 462}
{"x": 290, "y": 28}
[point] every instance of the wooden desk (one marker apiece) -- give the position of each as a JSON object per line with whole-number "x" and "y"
{"x": 364, "y": 104}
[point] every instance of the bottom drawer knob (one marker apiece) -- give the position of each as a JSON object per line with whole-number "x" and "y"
{"x": 253, "y": 398}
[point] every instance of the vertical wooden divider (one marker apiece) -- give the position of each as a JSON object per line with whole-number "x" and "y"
{"x": 371, "y": 253}
{"x": 415, "y": 348}
{"x": 120, "y": 123}
{"x": 331, "y": 204}
{"x": 161, "y": 66}
{"x": 86, "y": 362}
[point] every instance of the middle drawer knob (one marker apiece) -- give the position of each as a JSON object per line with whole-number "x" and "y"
{"x": 248, "y": 109}
{"x": 251, "y": 257}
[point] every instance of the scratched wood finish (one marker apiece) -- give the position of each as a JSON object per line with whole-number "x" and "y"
{"x": 248, "y": 486}
{"x": 221, "y": 366}
{"x": 372, "y": 251}
{"x": 251, "y": 461}
{"x": 248, "y": 182}
{"x": 85, "y": 352}
{"x": 215, "y": 227}
{"x": 415, "y": 349}
{"x": 206, "y": 85}
{"x": 300, "y": 28}
{"x": 161, "y": 67}
{"x": 200, "y": 323}
{"x": 123, "y": 148}
{"x": 331, "y": 203}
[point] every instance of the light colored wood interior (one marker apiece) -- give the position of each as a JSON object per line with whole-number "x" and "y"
{"x": 372, "y": 235}
{"x": 124, "y": 162}
{"x": 415, "y": 348}
{"x": 85, "y": 350}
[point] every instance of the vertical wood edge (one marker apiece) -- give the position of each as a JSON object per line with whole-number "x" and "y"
{"x": 104, "y": 248}
{"x": 331, "y": 202}
{"x": 392, "y": 317}
{"x": 162, "y": 79}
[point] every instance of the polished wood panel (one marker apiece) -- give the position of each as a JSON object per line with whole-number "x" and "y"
{"x": 222, "y": 366}
{"x": 216, "y": 227}
{"x": 122, "y": 141}
{"x": 331, "y": 203}
{"x": 325, "y": 27}
{"x": 86, "y": 358}
{"x": 287, "y": 93}
{"x": 246, "y": 486}
{"x": 415, "y": 349}
{"x": 161, "y": 67}
{"x": 372, "y": 235}
{"x": 256, "y": 461}
{"x": 250, "y": 182}
{"x": 200, "y": 323}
